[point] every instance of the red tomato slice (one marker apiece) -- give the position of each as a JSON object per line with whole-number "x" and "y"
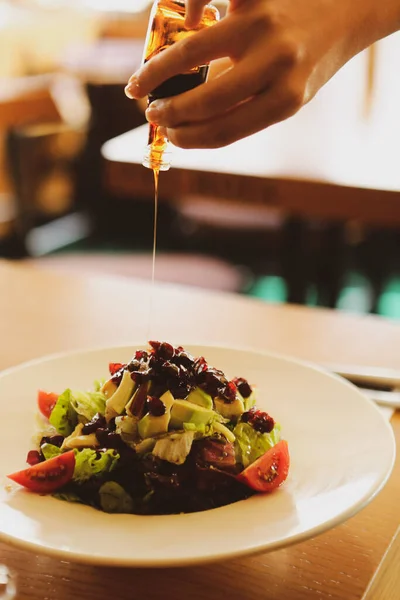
{"x": 115, "y": 367}
{"x": 46, "y": 402}
{"x": 269, "y": 471}
{"x": 49, "y": 476}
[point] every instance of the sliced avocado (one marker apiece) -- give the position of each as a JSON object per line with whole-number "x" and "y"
{"x": 77, "y": 440}
{"x": 109, "y": 388}
{"x": 150, "y": 426}
{"x": 199, "y": 397}
{"x": 231, "y": 410}
{"x": 116, "y": 404}
{"x": 187, "y": 412}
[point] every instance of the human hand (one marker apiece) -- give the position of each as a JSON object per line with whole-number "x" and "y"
{"x": 281, "y": 53}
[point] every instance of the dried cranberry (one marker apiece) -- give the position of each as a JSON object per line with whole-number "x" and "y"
{"x": 159, "y": 387}
{"x": 133, "y": 366}
{"x": 155, "y": 406}
{"x": 101, "y": 435}
{"x": 243, "y": 386}
{"x": 229, "y": 394}
{"x": 213, "y": 381}
{"x": 183, "y": 358}
{"x": 55, "y": 440}
{"x": 155, "y": 345}
{"x": 166, "y": 351}
{"x": 108, "y": 439}
{"x": 112, "y": 426}
{"x": 245, "y": 418}
{"x": 200, "y": 365}
{"x": 155, "y": 362}
{"x": 171, "y": 369}
{"x": 114, "y": 440}
{"x": 141, "y": 355}
{"x": 259, "y": 420}
{"x": 180, "y": 391}
{"x": 117, "y": 378}
{"x": 98, "y": 422}
{"x": 33, "y": 458}
{"x": 115, "y": 367}
{"x": 184, "y": 374}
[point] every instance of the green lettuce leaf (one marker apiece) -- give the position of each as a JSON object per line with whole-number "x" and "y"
{"x": 89, "y": 464}
{"x": 200, "y": 429}
{"x": 63, "y": 416}
{"x": 251, "y": 444}
{"x": 250, "y": 401}
{"x": 50, "y": 451}
{"x": 175, "y": 447}
{"x": 98, "y": 384}
{"x": 72, "y": 406}
{"x": 114, "y": 499}
{"x": 88, "y": 404}
{"x": 127, "y": 428}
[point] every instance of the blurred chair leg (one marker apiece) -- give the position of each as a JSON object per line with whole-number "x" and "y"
{"x": 112, "y": 115}
{"x": 331, "y": 264}
{"x": 294, "y": 263}
{"x": 378, "y": 258}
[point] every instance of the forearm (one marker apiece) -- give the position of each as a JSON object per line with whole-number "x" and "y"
{"x": 356, "y": 25}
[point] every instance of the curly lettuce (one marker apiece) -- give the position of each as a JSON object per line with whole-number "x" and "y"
{"x": 50, "y": 451}
{"x": 63, "y": 416}
{"x": 89, "y": 463}
{"x": 72, "y": 407}
{"x": 88, "y": 404}
{"x": 251, "y": 444}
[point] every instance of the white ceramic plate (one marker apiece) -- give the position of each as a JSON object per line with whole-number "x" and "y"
{"x": 342, "y": 453}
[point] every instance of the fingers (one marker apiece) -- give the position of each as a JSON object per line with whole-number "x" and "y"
{"x": 244, "y": 80}
{"x": 198, "y": 49}
{"x": 194, "y": 12}
{"x": 269, "y": 107}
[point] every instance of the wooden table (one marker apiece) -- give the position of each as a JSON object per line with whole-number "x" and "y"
{"x": 42, "y": 313}
{"x": 335, "y": 159}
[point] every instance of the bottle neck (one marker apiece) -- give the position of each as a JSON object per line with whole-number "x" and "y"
{"x": 158, "y": 154}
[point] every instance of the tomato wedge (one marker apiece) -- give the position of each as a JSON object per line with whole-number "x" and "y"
{"x": 49, "y": 476}
{"x": 269, "y": 471}
{"x": 46, "y": 402}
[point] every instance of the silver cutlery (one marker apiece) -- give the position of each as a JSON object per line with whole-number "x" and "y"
{"x": 379, "y": 384}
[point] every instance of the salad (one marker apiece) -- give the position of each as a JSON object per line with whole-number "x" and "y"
{"x": 165, "y": 433}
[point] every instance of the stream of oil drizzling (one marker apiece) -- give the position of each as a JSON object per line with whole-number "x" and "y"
{"x": 156, "y": 173}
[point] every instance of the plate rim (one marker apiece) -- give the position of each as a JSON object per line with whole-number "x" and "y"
{"x": 129, "y": 562}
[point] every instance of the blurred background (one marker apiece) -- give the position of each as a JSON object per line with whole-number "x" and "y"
{"x": 63, "y": 68}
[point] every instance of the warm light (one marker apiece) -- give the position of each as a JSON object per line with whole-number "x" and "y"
{"x": 129, "y": 6}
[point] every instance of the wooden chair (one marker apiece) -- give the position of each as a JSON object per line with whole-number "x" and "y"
{"x": 23, "y": 101}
